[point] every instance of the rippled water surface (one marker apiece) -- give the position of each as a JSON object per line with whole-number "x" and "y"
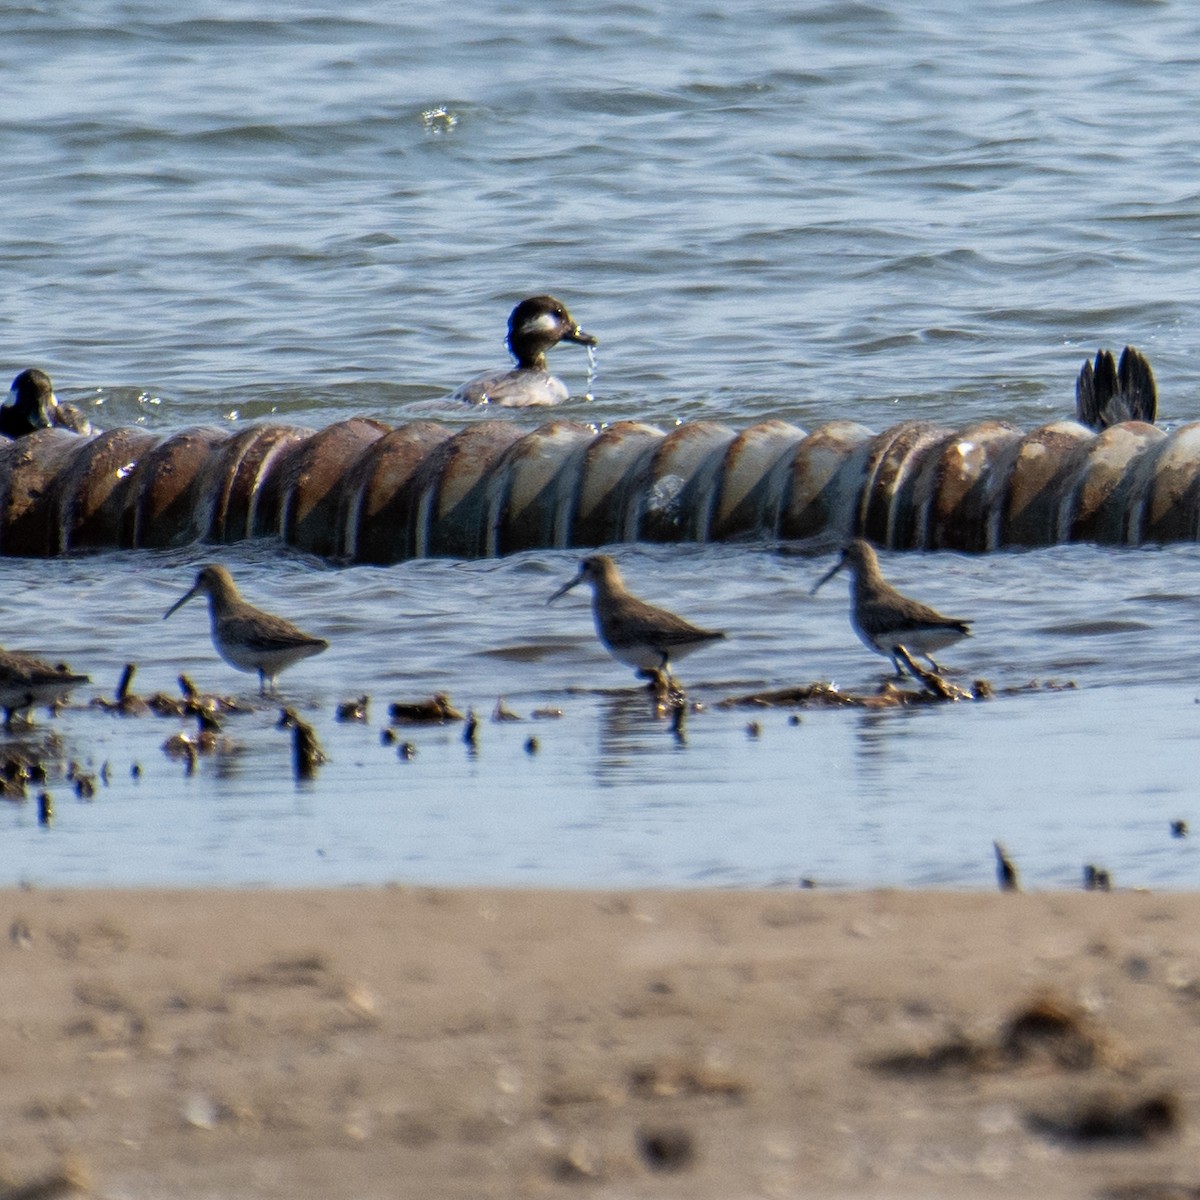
{"x": 874, "y": 210}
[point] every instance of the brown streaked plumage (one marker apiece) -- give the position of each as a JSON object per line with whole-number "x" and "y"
{"x": 634, "y": 632}
{"x": 247, "y": 638}
{"x": 884, "y": 618}
{"x": 25, "y": 680}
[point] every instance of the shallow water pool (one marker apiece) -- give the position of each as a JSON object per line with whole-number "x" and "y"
{"x": 1090, "y": 765}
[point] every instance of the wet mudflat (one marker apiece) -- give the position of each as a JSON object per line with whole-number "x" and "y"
{"x": 1089, "y": 766}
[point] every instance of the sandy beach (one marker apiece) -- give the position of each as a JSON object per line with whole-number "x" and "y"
{"x": 461, "y": 1043}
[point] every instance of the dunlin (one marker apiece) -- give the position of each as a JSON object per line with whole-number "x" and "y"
{"x": 884, "y": 619}
{"x": 247, "y": 638}
{"x": 26, "y": 680}
{"x": 633, "y": 632}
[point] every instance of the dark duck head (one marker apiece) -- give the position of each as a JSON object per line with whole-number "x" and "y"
{"x": 32, "y": 405}
{"x": 535, "y": 326}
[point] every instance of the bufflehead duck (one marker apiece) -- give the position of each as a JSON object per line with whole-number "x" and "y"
{"x": 535, "y": 326}
{"x": 32, "y": 404}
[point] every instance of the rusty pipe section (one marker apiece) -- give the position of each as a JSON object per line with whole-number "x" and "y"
{"x": 360, "y": 491}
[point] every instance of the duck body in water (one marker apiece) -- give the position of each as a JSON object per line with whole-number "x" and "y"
{"x": 32, "y": 405}
{"x": 535, "y": 326}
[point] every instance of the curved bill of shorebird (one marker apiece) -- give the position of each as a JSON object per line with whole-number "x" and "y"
{"x": 837, "y": 566}
{"x": 566, "y": 587}
{"x": 196, "y": 590}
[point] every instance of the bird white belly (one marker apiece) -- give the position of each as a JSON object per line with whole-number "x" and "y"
{"x": 271, "y": 662}
{"x": 918, "y": 641}
{"x": 641, "y": 656}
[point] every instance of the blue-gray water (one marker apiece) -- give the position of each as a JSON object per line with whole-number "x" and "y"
{"x": 880, "y": 211}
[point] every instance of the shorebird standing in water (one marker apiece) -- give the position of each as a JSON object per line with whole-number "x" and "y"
{"x": 25, "y": 680}
{"x": 634, "y": 632}
{"x": 886, "y": 620}
{"x": 247, "y": 638}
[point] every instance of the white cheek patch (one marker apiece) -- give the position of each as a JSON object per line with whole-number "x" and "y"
{"x": 12, "y": 398}
{"x": 542, "y": 323}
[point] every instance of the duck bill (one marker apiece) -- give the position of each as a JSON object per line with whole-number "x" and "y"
{"x": 837, "y": 566}
{"x": 566, "y": 587}
{"x": 579, "y": 337}
{"x": 180, "y": 602}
